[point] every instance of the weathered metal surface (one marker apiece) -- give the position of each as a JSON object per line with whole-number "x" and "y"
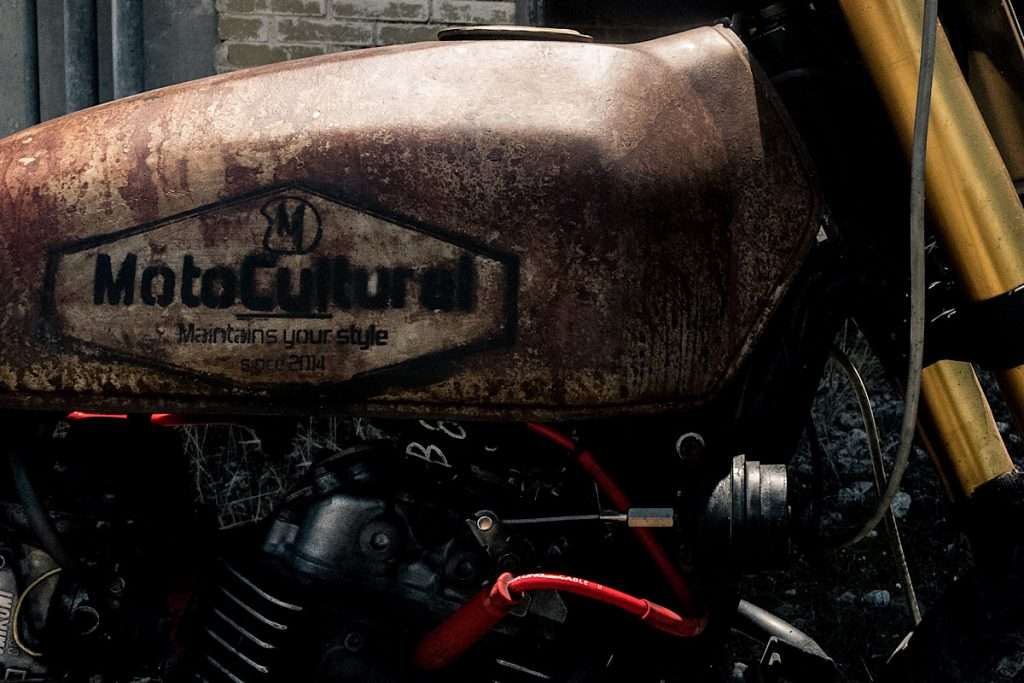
{"x": 560, "y": 230}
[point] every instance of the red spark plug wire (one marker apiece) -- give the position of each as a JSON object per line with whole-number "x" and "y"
{"x": 159, "y": 419}
{"x": 471, "y": 622}
{"x": 618, "y": 498}
{"x": 79, "y": 415}
{"x": 171, "y": 420}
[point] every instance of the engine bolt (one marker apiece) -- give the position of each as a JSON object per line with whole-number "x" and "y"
{"x": 509, "y": 562}
{"x": 465, "y": 569}
{"x": 85, "y": 620}
{"x": 689, "y": 446}
{"x": 380, "y": 541}
{"x": 354, "y": 642}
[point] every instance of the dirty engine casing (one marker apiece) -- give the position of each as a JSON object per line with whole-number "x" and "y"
{"x": 497, "y": 229}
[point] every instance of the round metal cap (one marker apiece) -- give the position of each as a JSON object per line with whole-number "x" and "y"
{"x": 565, "y": 35}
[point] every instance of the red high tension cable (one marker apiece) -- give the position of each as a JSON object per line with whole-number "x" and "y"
{"x": 475, "y": 619}
{"x": 618, "y": 498}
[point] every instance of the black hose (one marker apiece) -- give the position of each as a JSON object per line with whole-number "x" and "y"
{"x": 818, "y": 459}
{"x": 38, "y": 519}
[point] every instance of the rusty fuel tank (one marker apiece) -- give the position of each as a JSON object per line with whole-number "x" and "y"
{"x": 502, "y": 229}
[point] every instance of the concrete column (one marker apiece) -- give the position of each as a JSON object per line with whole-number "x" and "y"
{"x": 127, "y": 46}
{"x": 81, "y": 55}
{"x": 19, "y": 59}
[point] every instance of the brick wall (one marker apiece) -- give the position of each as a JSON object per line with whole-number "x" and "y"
{"x": 615, "y": 21}
{"x": 255, "y": 32}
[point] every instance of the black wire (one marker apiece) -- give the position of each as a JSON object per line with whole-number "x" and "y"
{"x": 812, "y": 513}
{"x": 892, "y": 529}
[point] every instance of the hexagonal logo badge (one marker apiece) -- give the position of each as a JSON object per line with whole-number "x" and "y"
{"x": 282, "y": 287}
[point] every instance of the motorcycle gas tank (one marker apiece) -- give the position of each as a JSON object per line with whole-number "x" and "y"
{"x": 501, "y": 229}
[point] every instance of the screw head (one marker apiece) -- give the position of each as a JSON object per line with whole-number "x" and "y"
{"x": 380, "y": 540}
{"x": 85, "y": 620}
{"x": 689, "y": 445}
{"x": 465, "y": 569}
{"x": 354, "y": 642}
{"x": 509, "y": 562}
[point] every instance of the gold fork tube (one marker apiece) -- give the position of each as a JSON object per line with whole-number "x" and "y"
{"x": 958, "y": 429}
{"x": 970, "y": 192}
{"x": 978, "y": 216}
{"x": 1003, "y": 109}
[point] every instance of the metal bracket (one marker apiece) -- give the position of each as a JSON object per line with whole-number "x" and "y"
{"x": 989, "y": 333}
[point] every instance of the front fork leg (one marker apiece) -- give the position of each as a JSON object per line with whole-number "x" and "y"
{"x": 958, "y": 430}
{"x": 977, "y": 632}
{"x": 977, "y": 214}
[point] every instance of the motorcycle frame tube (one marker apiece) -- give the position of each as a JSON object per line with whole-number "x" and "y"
{"x": 977, "y": 214}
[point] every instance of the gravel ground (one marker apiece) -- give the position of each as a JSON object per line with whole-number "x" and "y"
{"x": 852, "y": 600}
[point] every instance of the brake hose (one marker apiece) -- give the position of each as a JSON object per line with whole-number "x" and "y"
{"x": 917, "y": 275}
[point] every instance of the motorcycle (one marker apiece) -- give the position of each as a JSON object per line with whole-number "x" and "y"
{"x": 573, "y": 301}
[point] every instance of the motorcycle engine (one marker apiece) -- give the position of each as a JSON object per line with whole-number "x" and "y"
{"x": 370, "y": 547}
